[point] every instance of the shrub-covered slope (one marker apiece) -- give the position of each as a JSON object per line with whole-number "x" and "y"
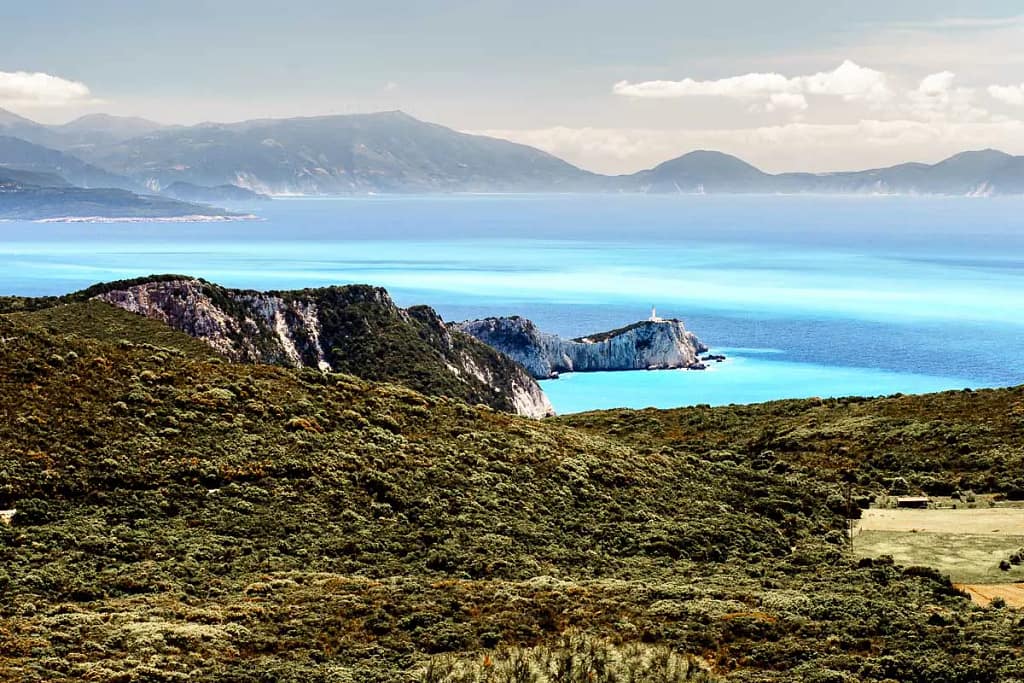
{"x": 180, "y": 517}
{"x": 938, "y": 443}
{"x": 356, "y": 329}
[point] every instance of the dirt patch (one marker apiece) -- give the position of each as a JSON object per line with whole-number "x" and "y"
{"x": 1003, "y": 521}
{"x": 966, "y": 544}
{"x": 984, "y": 593}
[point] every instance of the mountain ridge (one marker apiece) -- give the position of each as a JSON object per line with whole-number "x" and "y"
{"x": 393, "y": 152}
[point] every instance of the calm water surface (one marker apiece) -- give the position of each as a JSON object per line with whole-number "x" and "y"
{"x": 819, "y": 296}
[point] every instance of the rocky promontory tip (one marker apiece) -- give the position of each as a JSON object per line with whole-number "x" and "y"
{"x": 655, "y": 343}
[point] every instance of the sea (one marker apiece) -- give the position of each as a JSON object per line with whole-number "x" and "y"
{"x": 805, "y": 295}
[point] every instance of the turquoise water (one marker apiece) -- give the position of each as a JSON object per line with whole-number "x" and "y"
{"x": 856, "y": 295}
{"x": 747, "y": 376}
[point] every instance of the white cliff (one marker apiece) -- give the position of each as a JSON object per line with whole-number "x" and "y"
{"x": 654, "y": 343}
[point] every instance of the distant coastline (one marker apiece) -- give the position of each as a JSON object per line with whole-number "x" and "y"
{"x": 146, "y": 219}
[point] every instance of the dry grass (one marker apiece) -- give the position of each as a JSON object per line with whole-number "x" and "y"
{"x": 576, "y": 659}
{"x": 1002, "y": 521}
{"x": 967, "y": 544}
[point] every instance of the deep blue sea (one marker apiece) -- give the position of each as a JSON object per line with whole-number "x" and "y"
{"x": 808, "y": 296}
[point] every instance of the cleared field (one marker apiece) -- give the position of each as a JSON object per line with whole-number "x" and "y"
{"x": 966, "y": 544}
{"x": 984, "y": 593}
{"x": 1003, "y": 521}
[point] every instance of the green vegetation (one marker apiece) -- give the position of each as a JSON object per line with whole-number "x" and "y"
{"x": 20, "y": 304}
{"x": 180, "y": 518}
{"x": 619, "y": 331}
{"x": 937, "y": 444}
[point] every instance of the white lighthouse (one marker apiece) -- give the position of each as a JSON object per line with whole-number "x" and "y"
{"x": 654, "y": 316}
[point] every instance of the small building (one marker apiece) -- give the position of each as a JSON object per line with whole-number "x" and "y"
{"x": 912, "y": 501}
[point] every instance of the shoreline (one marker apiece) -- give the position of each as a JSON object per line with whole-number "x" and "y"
{"x": 197, "y": 218}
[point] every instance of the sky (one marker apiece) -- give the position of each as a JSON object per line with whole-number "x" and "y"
{"x": 608, "y": 85}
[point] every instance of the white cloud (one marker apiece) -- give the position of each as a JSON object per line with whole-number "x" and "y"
{"x": 41, "y": 90}
{"x": 753, "y": 85}
{"x": 937, "y": 84}
{"x": 849, "y": 81}
{"x": 1010, "y": 94}
{"x": 936, "y": 98}
{"x": 785, "y": 100}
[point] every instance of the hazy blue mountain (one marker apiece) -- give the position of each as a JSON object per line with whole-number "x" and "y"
{"x": 16, "y": 126}
{"x": 95, "y": 129}
{"x": 391, "y": 152}
{"x": 969, "y": 173}
{"x": 22, "y": 201}
{"x": 214, "y": 195}
{"x": 26, "y": 156}
{"x": 85, "y": 131}
{"x": 31, "y": 195}
{"x": 384, "y": 152}
{"x": 703, "y": 171}
{"x": 980, "y": 172}
{"x": 17, "y": 176}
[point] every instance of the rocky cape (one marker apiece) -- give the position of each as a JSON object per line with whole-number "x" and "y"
{"x": 354, "y": 329}
{"x": 648, "y": 344}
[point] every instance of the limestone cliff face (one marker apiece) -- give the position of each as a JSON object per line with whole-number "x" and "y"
{"x": 642, "y": 345}
{"x": 355, "y": 329}
{"x": 247, "y": 327}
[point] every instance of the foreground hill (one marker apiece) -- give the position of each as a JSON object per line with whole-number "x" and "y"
{"x": 936, "y": 444}
{"x": 178, "y": 517}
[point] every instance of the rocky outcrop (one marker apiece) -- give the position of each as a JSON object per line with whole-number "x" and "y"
{"x": 356, "y": 329}
{"x": 644, "y": 345}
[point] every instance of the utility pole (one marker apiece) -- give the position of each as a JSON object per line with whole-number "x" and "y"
{"x": 849, "y": 513}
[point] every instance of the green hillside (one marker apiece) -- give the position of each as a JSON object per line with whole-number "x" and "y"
{"x": 179, "y": 517}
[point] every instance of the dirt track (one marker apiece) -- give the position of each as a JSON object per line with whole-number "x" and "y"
{"x": 983, "y": 593}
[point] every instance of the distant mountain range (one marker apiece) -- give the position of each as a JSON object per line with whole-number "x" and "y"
{"x": 387, "y": 152}
{"x": 985, "y": 172}
{"x": 392, "y": 152}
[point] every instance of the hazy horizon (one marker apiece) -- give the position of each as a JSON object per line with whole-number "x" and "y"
{"x": 811, "y": 89}
{"x": 672, "y": 155}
